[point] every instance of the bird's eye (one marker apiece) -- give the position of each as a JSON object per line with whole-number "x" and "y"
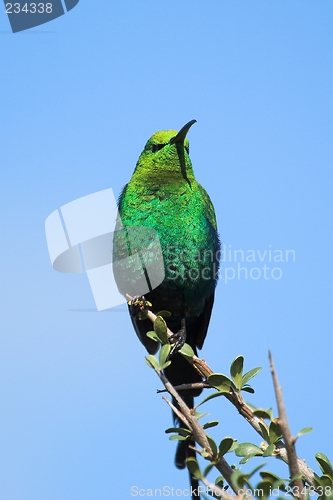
{"x": 157, "y": 147}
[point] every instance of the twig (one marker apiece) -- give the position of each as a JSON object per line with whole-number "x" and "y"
{"x": 197, "y": 430}
{"x": 176, "y": 411}
{"x": 194, "y": 448}
{"x": 288, "y": 439}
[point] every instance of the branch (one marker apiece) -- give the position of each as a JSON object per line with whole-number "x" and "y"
{"x": 197, "y": 430}
{"x": 245, "y": 411}
{"x": 284, "y": 426}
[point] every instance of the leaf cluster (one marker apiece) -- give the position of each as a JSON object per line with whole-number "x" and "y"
{"x": 232, "y": 387}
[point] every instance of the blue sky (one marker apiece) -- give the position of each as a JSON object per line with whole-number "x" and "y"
{"x": 80, "y": 418}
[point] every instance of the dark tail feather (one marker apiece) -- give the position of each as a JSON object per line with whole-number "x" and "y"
{"x": 183, "y": 452}
{"x": 195, "y": 495}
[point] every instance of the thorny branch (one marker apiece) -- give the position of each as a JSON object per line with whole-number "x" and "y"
{"x": 284, "y": 426}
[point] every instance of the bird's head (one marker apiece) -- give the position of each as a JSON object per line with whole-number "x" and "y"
{"x": 166, "y": 154}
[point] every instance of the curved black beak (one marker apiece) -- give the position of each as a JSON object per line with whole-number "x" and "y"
{"x": 180, "y": 137}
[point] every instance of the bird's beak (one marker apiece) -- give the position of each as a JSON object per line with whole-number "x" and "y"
{"x": 180, "y": 137}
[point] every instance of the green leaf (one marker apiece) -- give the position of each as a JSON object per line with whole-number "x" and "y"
{"x": 213, "y": 423}
{"x": 264, "y": 487}
{"x": 152, "y": 335}
{"x": 274, "y": 432}
{"x": 250, "y": 374}
{"x": 247, "y": 458}
{"x": 248, "y": 388}
{"x": 253, "y": 408}
{"x": 317, "y": 480}
{"x": 178, "y": 430}
{"x": 164, "y": 314}
{"x": 269, "y": 450}
{"x": 264, "y": 432}
{"x": 269, "y": 476}
{"x": 256, "y": 469}
{"x": 199, "y": 415}
{"x": 212, "y": 444}
{"x": 305, "y": 430}
{"x": 239, "y": 479}
{"x": 160, "y": 329}
{"x": 164, "y": 353}
{"x": 236, "y": 371}
{"x": 245, "y": 449}
{"x": 234, "y": 446}
{"x": 177, "y": 437}
{"x": 261, "y": 413}
{"x": 211, "y": 396}
{"x": 187, "y": 350}
{"x": 225, "y": 446}
{"x": 281, "y": 483}
{"x": 220, "y": 382}
{"x": 219, "y": 481}
{"x": 193, "y": 467}
{"x": 207, "y": 469}
{"x": 204, "y": 453}
{"x": 152, "y": 362}
{"x": 326, "y": 481}
{"x": 324, "y": 464}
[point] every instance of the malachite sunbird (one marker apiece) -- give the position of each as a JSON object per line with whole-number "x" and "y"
{"x": 163, "y": 198}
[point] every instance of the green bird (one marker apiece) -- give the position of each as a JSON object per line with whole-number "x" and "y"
{"x": 164, "y": 203}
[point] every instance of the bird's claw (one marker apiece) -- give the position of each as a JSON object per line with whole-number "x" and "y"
{"x": 138, "y": 305}
{"x": 178, "y": 339}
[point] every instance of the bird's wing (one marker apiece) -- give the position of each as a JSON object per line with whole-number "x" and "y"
{"x": 204, "y": 318}
{"x": 209, "y": 207}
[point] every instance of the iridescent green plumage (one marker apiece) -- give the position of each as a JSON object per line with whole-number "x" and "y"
{"x": 163, "y": 195}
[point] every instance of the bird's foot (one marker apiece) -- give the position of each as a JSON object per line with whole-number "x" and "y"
{"x": 138, "y": 305}
{"x": 178, "y": 339}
